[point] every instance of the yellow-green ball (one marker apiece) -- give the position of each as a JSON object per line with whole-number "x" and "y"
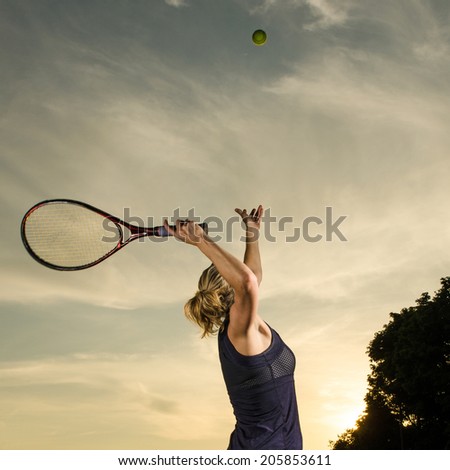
{"x": 259, "y": 37}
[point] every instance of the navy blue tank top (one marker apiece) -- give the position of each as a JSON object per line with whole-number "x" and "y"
{"x": 262, "y": 393}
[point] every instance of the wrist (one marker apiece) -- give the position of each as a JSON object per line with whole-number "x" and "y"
{"x": 204, "y": 242}
{"x": 252, "y": 235}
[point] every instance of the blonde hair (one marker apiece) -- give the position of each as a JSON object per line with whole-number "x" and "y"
{"x": 211, "y": 304}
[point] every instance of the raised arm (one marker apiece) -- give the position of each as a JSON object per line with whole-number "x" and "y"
{"x": 235, "y": 272}
{"x": 244, "y": 312}
{"x": 252, "y": 257}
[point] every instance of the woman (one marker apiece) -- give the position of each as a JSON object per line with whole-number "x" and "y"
{"x": 257, "y": 366}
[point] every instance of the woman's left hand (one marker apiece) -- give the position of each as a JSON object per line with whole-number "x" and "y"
{"x": 252, "y": 220}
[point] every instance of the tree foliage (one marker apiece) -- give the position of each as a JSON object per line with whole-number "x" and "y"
{"x": 408, "y": 397}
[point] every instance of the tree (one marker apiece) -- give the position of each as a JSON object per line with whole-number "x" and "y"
{"x": 408, "y": 397}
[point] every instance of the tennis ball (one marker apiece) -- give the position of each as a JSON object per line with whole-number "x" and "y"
{"x": 259, "y": 37}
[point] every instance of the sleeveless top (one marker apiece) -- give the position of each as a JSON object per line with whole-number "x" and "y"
{"x": 262, "y": 394}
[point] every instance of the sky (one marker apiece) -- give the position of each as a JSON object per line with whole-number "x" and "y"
{"x": 145, "y": 108}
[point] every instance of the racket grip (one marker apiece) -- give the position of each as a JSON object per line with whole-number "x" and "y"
{"x": 162, "y": 232}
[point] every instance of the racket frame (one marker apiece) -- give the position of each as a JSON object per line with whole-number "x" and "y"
{"x": 135, "y": 233}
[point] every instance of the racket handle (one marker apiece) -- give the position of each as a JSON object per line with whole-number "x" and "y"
{"x": 162, "y": 232}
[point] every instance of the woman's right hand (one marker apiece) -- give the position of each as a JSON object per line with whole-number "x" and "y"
{"x": 186, "y": 230}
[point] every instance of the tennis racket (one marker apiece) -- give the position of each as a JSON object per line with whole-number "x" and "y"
{"x": 70, "y": 235}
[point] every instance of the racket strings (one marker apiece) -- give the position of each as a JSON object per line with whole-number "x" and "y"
{"x": 70, "y": 235}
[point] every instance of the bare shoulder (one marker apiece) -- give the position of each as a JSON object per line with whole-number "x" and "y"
{"x": 248, "y": 333}
{"x": 255, "y": 339}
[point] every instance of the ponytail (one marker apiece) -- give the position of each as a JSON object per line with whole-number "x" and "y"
{"x": 211, "y": 304}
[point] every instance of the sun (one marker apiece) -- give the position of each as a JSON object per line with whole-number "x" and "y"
{"x": 348, "y": 416}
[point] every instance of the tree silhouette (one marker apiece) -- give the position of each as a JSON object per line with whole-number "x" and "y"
{"x": 408, "y": 397}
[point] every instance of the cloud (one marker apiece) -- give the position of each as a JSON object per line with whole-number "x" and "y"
{"x": 40, "y": 286}
{"x": 164, "y": 406}
{"x": 176, "y": 3}
{"x": 327, "y": 13}
{"x": 363, "y": 88}
{"x": 433, "y": 48}
{"x": 324, "y": 13}
{"x": 112, "y": 394}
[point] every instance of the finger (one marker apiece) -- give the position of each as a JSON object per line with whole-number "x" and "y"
{"x": 260, "y": 211}
{"x": 178, "y": 226}
{"x": 185, "y": 224}
{"x": 177, "y": 230}
{"x": 168, "y": 228}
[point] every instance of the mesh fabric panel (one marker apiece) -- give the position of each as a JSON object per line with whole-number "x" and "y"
{"x": 283, "y": 365}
